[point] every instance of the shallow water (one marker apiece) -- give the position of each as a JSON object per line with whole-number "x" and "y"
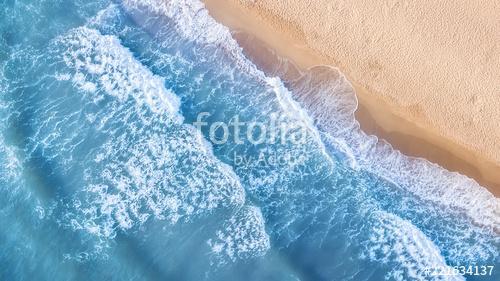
{"x": 110, "y": 169}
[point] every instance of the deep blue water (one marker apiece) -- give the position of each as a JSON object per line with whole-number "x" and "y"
{"x": 120, "y": 160}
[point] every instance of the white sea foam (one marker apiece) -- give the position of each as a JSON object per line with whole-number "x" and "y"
{"x": 187, "y": 14}
{"x": 115, "y": 69}
{"x": 103, "y": 18}
{"x": 10, "y": 164}
{"x": 394, "y": 240}
{"x": 296, "y": 112}
{"x": 243, "y": 236}
{"x": 152, "y": 165}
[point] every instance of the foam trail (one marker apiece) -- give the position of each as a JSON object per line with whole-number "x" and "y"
{"x": 120, "y": 77}
{"x": 193, "y": 21}
{"x": 243, "y": 236}
{"x": 130, "y": 182}
{"x": 396, "y": 241}
{"x": 10, "y": 163}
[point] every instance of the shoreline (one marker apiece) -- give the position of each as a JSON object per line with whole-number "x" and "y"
{"x": 375, "y": 116}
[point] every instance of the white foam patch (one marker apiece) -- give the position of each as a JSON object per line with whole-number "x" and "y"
{"x": 10, "y": 164}
{"x": 394, "y": 240}
{"x": 243, "y": 236}
{"x": 167, "y": 177}
{"x": 104, "y": 16}
{"x": 152, "y": 165}
{"x": 192, "y": 19}
{"x": 296, "y": 113}
{"x": 115, "y": 70}
{"x": 452, "y": 191}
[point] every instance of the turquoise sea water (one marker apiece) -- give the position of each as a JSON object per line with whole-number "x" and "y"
{"x": 120, "y": 160}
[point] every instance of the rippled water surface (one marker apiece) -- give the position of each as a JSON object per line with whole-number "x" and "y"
{"x": 109, "y": 169}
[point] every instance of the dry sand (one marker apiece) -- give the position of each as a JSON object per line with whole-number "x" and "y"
{"x": 426, "y": 73}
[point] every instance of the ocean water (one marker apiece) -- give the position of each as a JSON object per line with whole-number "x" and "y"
{"x": 120, "y": 160}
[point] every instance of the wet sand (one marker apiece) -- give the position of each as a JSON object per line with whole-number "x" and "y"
{"x": 376, "y": 115}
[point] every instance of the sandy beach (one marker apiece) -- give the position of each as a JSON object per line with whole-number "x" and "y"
{"x": 426, "y": 74}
